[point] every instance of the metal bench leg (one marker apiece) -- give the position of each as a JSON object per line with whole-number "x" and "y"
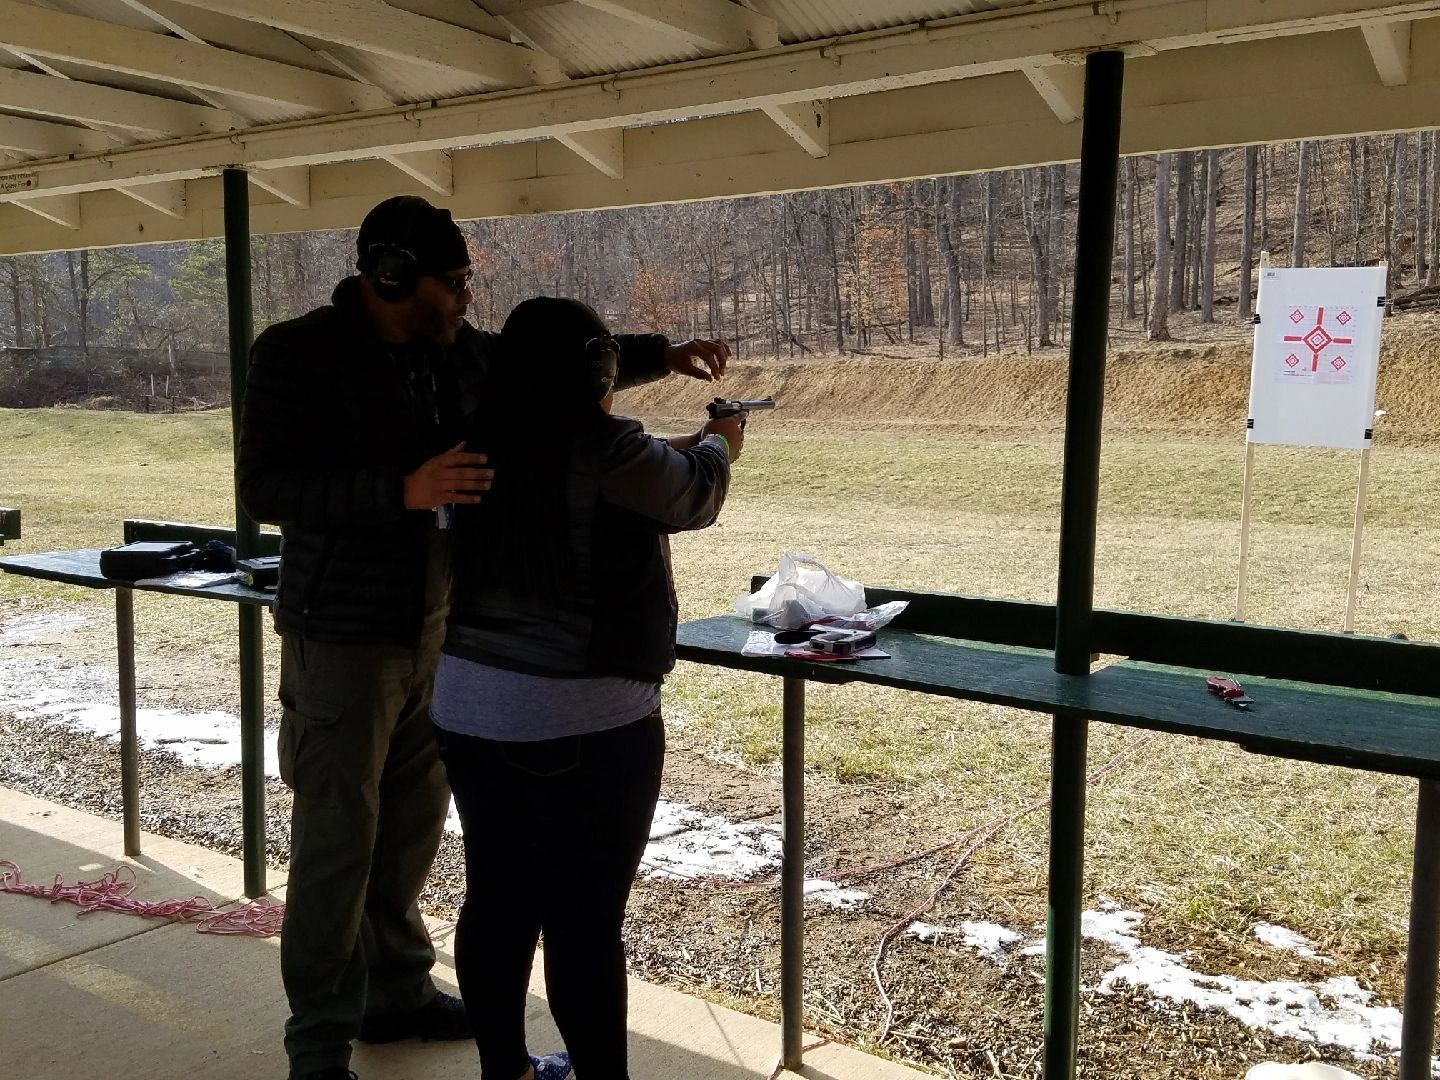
{"x": 1067, "y": 876}
{"x": 252, "y": 748}
{"x": 129, "y": 739}
{"x": 1417, "y": 1031}
{"x": 792, "y": 876}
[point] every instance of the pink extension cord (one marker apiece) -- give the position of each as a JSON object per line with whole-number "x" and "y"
{"x": 111, "y": 892}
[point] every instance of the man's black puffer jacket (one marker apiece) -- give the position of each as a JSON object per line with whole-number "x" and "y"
{"x": 333, "y": 421}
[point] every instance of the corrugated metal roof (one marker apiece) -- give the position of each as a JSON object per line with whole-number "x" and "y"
{"x": 405, "y": 82}
{"x": 807, "y": 20}
{"x": 413, "y": 63}
{"x": 111, "y": 11}
{"x": 590, "y": 42}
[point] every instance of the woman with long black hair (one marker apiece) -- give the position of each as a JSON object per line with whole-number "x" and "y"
{"x": 547, "y": 700}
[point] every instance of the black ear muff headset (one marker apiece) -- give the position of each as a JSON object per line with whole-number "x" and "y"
{"x": 601, "y": 367}
{"x": 392, "y": 269}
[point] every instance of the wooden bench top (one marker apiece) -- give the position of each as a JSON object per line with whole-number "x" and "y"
{"x": 1366, "y": 729}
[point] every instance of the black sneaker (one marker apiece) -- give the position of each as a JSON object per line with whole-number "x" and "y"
{"x": 339, "y": 1072}
{"x": 442, "y": 1017}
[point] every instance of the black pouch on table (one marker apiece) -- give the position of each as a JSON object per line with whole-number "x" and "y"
{"x": 260, "y": 573}
{"x": 147, "y": 559}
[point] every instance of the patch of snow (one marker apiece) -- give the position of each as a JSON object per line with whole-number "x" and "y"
{"x": 1336, "y": 1012}
{"x": 927, "y": 932}
{"x": 30, "y": 629}
{"x": 987, "y": 938}
{"x": 84, "y": 699}
{"x": 686, "y": 844}
{"x": 1311, "y": 1070}
{"x": 1279, "y": 937}
{"x": 828, "y": 892}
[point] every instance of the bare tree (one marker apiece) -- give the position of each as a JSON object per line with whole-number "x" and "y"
{"x": 1207, "y": 268}
{"x": 1159, "y": 329}
{"x": 1422, "y": 206}
{"x": 1128, "y": 225}
{"x": 1395, "y": 218}
{"x": 1359, "y": 198}
{"x": 1302, "y": 216}
{"x": 1034, "y": 205}
{"x": 1432, "y": 274}
{"x": 947, "y": 223}
{"x": 17, "y": 306}
{"x": 1184, "y": 168}
{"x": 1247, "y": 231}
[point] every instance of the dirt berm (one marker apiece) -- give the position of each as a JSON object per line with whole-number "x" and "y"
{"x": 1196, "y": 388}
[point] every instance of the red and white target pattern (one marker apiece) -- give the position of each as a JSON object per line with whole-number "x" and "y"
{"x": 1317, "y": 349}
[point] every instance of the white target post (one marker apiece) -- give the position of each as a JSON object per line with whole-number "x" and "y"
{"x": 1312, "y": 380}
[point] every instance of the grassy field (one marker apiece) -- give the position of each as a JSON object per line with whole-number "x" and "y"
{"x": 1212, "y": 835}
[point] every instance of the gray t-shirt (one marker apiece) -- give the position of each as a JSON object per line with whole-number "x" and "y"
{"x": 509, "y": 706}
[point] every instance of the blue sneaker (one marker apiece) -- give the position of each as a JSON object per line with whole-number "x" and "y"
{"x": 552, "y": 1066}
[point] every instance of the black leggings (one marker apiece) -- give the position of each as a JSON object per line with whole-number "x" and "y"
{"x": 554, "y": 832}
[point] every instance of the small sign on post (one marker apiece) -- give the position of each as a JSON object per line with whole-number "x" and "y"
{"x": 1313, "y": 372}
{"x": 1317, "y": 353}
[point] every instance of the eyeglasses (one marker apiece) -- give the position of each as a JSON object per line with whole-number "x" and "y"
{"x": 456, "y": 283}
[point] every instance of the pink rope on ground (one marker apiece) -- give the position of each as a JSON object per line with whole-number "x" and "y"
{"x": 112, "y": 891}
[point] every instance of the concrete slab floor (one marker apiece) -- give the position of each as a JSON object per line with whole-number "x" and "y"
{"x": 133, "y": 998}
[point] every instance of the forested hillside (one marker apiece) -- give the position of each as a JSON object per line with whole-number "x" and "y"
{"x": 966, "y": 265}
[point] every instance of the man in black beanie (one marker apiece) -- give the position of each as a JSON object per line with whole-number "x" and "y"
{"x": 351, "y": 439}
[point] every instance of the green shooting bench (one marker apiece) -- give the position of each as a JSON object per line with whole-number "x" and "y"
{"x": 1340, "y": 699}
{"x": 82, "y": 568}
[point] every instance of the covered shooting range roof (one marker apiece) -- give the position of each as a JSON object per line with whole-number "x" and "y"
{"x": 116, "y": 116}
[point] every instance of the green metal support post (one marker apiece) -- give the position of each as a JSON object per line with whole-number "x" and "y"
{"x": 792, "y": 876}
{"x": 1417, "y": 1032}
{"x": 1079, "y": 498}
{"x": 129, "y": 735}
{"x": 247, "y": 537}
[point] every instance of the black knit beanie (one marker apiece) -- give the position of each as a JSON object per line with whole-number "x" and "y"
{"x": 542, "y": 347}
{"x": 428, "y": 232}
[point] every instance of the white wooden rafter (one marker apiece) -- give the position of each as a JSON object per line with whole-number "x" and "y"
{"x": 37, "y": 63}
{"x": 1187, "y": 101}
{"x": 90, "y": 103}
{"x": 379, "y": 28}
{"x": 209, "y": 28}
{"x": 1063, "y": 88}
{"x": 714, "y": 25}
{"x": 808, "y": 123}
{"x": 604, "y": 149}
{"x": 462, "y": 13}
{"x": 111, "y": 47}
{"x": 62, "y": 210}
{"x": 433, "y": 168}
{"x": 1389, "y": 44}
{"x": 966, "y": 47}
{"x": 42, "y": 137}
{"x": 168, "y": 196}
{"x": 290, "y": 185}
{"x": 970, "y": 47}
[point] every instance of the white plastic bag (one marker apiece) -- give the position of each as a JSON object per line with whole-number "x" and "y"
{"x": 803, "y": 589}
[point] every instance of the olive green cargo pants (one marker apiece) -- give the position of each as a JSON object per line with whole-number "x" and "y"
{"x": 358, "y": 750}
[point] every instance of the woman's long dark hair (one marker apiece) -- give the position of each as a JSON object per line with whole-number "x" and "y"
{"x": 540, "y": 399}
